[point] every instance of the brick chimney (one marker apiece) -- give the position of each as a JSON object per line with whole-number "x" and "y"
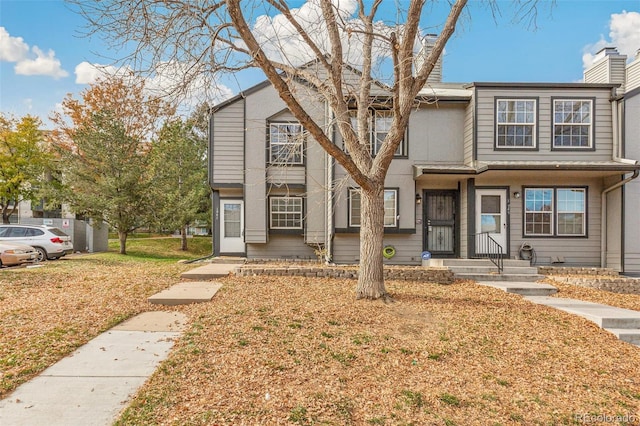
{"x": 608, "y": 67}
{"x": 427, "y": 45}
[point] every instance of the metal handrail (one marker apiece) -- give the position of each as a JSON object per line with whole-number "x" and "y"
{"x": 488, "y": 248}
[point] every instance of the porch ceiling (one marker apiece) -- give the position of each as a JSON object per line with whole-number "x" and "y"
{"x": 592, "y": 168}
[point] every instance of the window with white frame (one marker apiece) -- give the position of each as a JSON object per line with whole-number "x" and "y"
{"x": 390, "y": 208}
{"x": 515, "y": 123}
{"x": 286, "y": 142}
{"x": 555, "y": 212}
{"x": 572, "y": 123}
{"x": 285, "y": 212}
{"x": 379, "y": 126}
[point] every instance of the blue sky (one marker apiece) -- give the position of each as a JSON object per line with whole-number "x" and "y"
{"x": 42, "y": 49}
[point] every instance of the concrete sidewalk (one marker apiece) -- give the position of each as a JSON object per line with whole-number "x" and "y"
{"x": 92, "y": 385}
{"x": 623, "y": 323}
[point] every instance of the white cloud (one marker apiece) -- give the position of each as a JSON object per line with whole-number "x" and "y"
{"x": 12, "y": 49}
{"x": 282, "y": 42}
{"x": 43, "y": 64}
{"x": 87, "y": 73}
{"x": 624, "y": 34}
{"x": 171, "y": 80}
{"x": 29, "y": 61}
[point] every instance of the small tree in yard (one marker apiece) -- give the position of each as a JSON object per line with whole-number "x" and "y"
{"x": 104, "y": 139}
{"x": 23, "y": 162}
{"x": 107, "y": 175}
{"x": 225, "y": 35}
{"x": 178, "y": 165}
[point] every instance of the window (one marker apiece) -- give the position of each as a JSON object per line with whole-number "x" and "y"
{"x": 379, "y": 125}
{"x": 390, "y": 208}
{"x": 572, "y": 123}
{"x": 571, "y": 211}
{"x": 285, "y": 212}
{"x": 515, "y": 123}
{"x": 555, "y": 211}
{"x": 286, "y": 143}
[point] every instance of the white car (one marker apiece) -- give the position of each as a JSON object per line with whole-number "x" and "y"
{"x": 16, "y": 254}
{"x": 49, "y": 242}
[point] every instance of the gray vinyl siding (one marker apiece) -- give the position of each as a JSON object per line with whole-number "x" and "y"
{"x": 577, "y": 251}
{"x": 228, "y": 144}
{"x": 633, "y": 75}
{"x": 260, "y": 105}
{"x": 436, "y": 134}
{"x": 316, "y": 217}
{"x": 468, "y": 132}
{"x": 486, "y": 125}
{"x": 632, "y": 227}
{"x": 463, "y": 221}
{"x": 281, "y": 247}
{"x": 632, "y": 189}
{"x": 408, "y": 249}
{"x": 598, "y": 73}
{"x": 613, "y": 255}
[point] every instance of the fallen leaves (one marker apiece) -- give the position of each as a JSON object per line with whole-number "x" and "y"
{"x": 460, "y": 354}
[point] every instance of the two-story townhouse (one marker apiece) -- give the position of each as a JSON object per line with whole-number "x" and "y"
{"x": 523, "y": 163}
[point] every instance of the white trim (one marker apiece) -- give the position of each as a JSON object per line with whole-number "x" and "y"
{"x": 296, "y": 202}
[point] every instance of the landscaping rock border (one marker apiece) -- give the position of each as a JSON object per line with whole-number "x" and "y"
{"x": 410, "y": 273}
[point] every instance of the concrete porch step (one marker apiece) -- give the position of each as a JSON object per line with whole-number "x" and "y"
{"x": 209, "y": 271}
{"x": 524, "y": 270}
{"x": 452, "y": 263}
{"x": 626, "y": 335}
{"x": 522, "y": 288}
{"x": 499, "y": 277}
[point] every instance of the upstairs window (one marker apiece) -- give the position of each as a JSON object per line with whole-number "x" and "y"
{"x": 286, "y": 142}
{"x": 390, "y": 208}
{"x": 516, "y": 123}
{"x": 379, "y": 126}
{"x": 572, "y": 123}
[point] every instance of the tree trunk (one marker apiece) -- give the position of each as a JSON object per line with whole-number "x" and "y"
{"x": 183, "y": 238}
{"x": 122, "y": 236}
{"x": 371, "y": 274}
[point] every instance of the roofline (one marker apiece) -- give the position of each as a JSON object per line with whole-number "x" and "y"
{"x": 538, "y": 85}
{"x": 632, "y": 93}
{"x": 241, "y": 95}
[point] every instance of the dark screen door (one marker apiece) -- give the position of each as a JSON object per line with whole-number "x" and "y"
{"x": 440, "y": 222}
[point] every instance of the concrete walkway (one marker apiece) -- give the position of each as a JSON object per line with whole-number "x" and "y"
{"x": 623, "y": 323}
{"x": 92, "y": 385}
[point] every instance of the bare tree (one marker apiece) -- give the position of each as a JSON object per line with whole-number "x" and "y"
{"x": 203, "y": 38}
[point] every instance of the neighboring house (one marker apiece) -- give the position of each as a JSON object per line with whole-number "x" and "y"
{"x": 536, "y": 164}
{"x": 631, "y": 136}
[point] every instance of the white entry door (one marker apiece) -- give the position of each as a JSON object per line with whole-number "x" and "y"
{"x": 231, "y": 226}
{"x": 491, "y": 217}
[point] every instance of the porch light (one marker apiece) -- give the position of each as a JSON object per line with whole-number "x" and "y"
{"x": 418, "y": 199}
{"x": 516, "y": 194}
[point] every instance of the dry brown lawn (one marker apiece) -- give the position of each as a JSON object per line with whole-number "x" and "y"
{"x": 272, "y": 350}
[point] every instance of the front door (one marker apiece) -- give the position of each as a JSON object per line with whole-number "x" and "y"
{"x": 440, "y": 226}
{"x": 231, "y": 226}
{"x": 491, "y": 217}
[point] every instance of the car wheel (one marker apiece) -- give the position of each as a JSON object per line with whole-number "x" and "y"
{"x": 42, "y": 254}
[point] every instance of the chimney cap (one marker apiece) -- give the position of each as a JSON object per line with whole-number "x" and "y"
{"x": 606, "y": 51}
